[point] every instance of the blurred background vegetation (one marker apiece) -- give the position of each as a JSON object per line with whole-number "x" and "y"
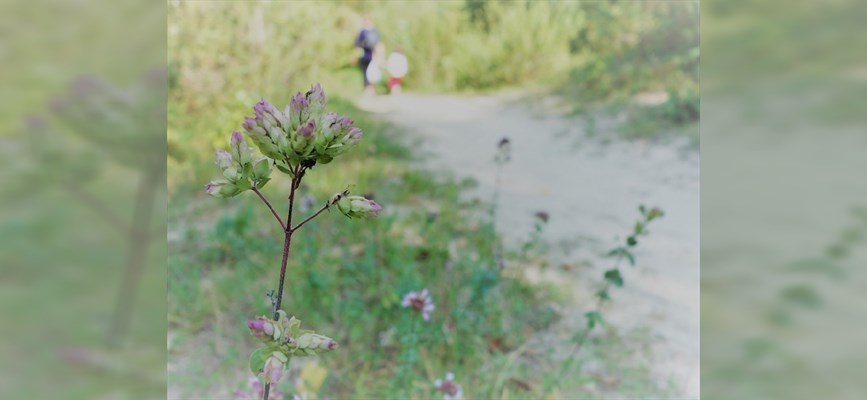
{"x": 346, "y": 278}
{"x": 590, "y": 53}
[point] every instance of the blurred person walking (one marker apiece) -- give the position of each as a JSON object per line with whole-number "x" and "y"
{"x": 368, "y": 39}
{"x": 397, "y": 66}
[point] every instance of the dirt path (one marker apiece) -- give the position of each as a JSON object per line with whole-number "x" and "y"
{"x": 591, "y": 188}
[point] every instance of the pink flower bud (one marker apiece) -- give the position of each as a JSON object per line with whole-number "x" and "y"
{"x": 249, "y": 124}
{"x": 240, "y": 149}
{"x": 316, "y": 343}
{"x": 307, "y": 129}
{"x": 236, "y": 138}
{"x": 264, "y": 112}
{"x": 224, "y": 159}
{"x": 274, "y": 367}
{"x": 316, "y": 97}
{"x": 298, "y": 108}
{"x": 353, "y": 136}
{"x": 256, "y": 325}
{"x": 222, "y": 189}
{"x": 264, "y": 329}
{"x": 358, "y": 207}
{"x": 329, "y": 119}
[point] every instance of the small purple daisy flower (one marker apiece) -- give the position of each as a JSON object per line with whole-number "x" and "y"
{"x": 419, "y": 301}
{"x": 450, "y": 389}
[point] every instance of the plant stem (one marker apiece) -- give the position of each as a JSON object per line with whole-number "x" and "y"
{"x": 287, "y": 242}
{"x": 411, "y": 353}
{"x": 296, "y": 180}
{"x": 280, "y": 220}
{"x": 312, "y": 216}
{"x": 579, "y": 344}
{"x": 139, "y": 240}
{"x": 496, "y": 197}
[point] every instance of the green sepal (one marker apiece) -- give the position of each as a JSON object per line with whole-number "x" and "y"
{"x": 247, "y": 170}
{"x": 258, "y": 358}
{"x": 244, "y": 184}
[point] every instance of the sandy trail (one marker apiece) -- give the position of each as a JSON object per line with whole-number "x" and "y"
{"x": 591, "y": 188}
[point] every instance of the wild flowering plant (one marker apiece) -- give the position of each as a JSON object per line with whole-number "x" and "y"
{"x": 293, "y": 141}
{"x": 535, "y": 241}
{"x": 420, "y": 302}
{"x": 503, "y": 156}
{"x": 612, "y": 277}
{"x": 448, "y": 387}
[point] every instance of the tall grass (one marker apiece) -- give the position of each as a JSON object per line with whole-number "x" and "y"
{"x": 592, "y": 51}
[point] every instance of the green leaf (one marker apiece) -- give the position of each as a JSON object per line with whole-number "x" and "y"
{"x": 631, "y": 241}
{"x": 262, "y": 182}
{"x": 284, "y": 169}
{"x": 258, "y": 358}
{"x": 622, "y": 251}
{"x": 603, "y": 295}
{"x": 801, "y": 295}
{"x": 638, "y": 227}
{"x": 613, "y": 277}
{"x": 594, "y": 318}
{"x": 630, "y": 257}
{"x": 616, "y": 251}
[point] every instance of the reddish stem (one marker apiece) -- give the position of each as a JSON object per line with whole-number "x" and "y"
{"x": 312, "y": 216}
{"x": 296, "y": 180}
{"x": 280, "y": 220}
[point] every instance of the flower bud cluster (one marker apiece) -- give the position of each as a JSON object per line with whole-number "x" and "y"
{"x": 240, "y": 170}
{"x": 356, "y": 206}
{"x": 303, "y": 132}
{"x": 284, "y": 339}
